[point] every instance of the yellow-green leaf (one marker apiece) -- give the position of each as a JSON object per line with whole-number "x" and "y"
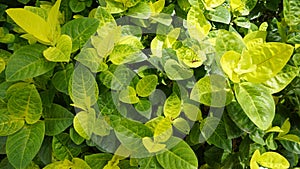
{"x": 163, "y": 130}
{"x": 190, "y": 57}
{"x": 172, "y": 106}
{"x": 53, "y": 22}
{"x": 229, "y": 62}
{"x": 273, "y": 160}
{"x": 253, "y": 163}
{"x": 157, "y": 6}
{"x": 61, "y": 52}
{"x": 84, "y": 123}
{"x": 198, "y": 26}
{"x": 286, "y": 126}
{"x": 151, "y": 146}
{"x": 146, "y": 85}
{"x": 128, "y": 96}
{"x": 31, "y": 23}
{"x": 213, "y": 3}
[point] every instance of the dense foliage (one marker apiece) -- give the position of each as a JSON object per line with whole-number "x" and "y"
{"x": 164, "y": 84}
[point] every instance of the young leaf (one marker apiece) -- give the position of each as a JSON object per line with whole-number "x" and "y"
{"x": 261, "y": 62}
{"x": 26, "y": 103}
{"x": 273, "y": 160}
{"x": 254, "y": 158}
{"x": 80, "y": 30}
{"x": 27, "y": 62}
{"x": 104, "y": 17}
{"x": 53, "y": 22}
{"x": 80, "y": 164}
{"x": 179, "y": 156}
{"x": 30, "y": 21}
{"x": 83, "y": 88}
{"x": 198, "y": 26}
{"x": 61, "y": 52}
{"x": 146, "y": 85}
{"x": 220, "y": 14}
{"x": 229, "y": 62}
{"x": 213, "y": 91}
{"x": 213, "y": 3}
{"x": 172, "y": 106}
{"x": 57, "y": 119}
{"x": 189, "y": 57}
{"x": 286, "y": 126}
{"x": 23, "y": 146}
{"x": 257, "y": 103}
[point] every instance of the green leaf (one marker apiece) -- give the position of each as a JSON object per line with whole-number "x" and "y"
{"x": 227, "y": 41}
{"x": 152, "y": 146}
{"x": 124, "y": 53}
{"x": 172, "y": 106}
{"x": 213, "y": 130}
{"x": 80, "y": 30}
{"x": 83, "y": 88}
{"x": 84, "y": 123}
{"x": 240, "y": 118}
{"x": 117, "y": 77}
{"x": 60, "y": 79}
{"x": 182, "y": 125}
{"x": 26, "y": 103}
{"x": 273, "y": 160}
{"x": 261, "y": 62}
{"x": 99, "y": 160}
{"x": 177, "y": 72}
{"x": 144, "y": 108}
{"x": 146, "y": 85}
{"x": 149, "y": 162}
{"x": 63, "y": 147}
{"x": 291, "y": 12}
{"x": 130, "y": 133}
{"x": 89, "y": 58}
{"x": 57, "y": 119}
{"x": 75, "y": 137}
{"x": 23, "y": 146}
{"x": 27, "y": 62}
{"x": 220, "y": 14}
{"x": 77, "y": 5}
{"x": 285, "y": 127}
{"x": 198, "y": 26}
{"x": 128, "y": 96}
{"x": 179, "y": 156}
{"x": 257, "y": 103}
{"x": 141, "y": 10}
{"x": 242, "y": 7}
{"x": 10, "y": 124}
{"x": 212, "y": 91}
{"x": 282, "y": 79}
{"x": 29, "y": 21}
{"x": 80, "y": 164}
{"x": 104, "y": 17}
{"x": 61, "y": 52}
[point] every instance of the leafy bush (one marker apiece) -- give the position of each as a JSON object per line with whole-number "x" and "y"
{"x": 125, "y": 84}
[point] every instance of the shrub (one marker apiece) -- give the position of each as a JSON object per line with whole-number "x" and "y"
{"x": 149, "y": 84}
